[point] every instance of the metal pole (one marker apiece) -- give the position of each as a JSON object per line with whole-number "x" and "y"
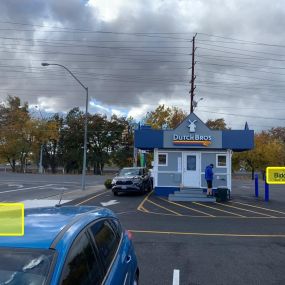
{"x": 266, "y": 191}
{"x": 85, "y": 142}
{"x": 256, "y": 185}
{"x": 41, "y": 160}
{"x": 192, "y": 76}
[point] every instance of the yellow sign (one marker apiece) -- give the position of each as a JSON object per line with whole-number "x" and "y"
{"x": 11, "y": 219}
{"x": 275, "y": 175}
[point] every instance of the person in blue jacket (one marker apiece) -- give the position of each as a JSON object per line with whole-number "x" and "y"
{"x": 209, "y": 178}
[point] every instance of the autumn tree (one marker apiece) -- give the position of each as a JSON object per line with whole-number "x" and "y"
{"x": 267, "y": 151}
{"x": 217, "y": 124}
{"x": 164, "y": 116}
{"x": 123, "y": 154}
{"x": 108, "y": 140}
{"x": 16, "y": 132}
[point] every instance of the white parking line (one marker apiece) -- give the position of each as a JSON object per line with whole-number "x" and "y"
{"x": 176, "y": 273}
{"x": 22, "y": 189}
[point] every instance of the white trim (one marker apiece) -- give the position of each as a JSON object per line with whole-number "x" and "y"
{"x": 166, "y": 158}
{"x": 155, "y": 168}
{"x": 216, "y": 152}
{"x": 229, "y": 177}
{"x": 221, "y": 154}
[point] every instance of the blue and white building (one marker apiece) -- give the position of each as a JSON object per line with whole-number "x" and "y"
{"x": 182, "y": 154}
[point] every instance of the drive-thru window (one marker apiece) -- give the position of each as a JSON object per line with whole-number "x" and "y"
{"x": 182, "y": 154}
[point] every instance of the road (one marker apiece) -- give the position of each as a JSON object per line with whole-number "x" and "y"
{"x": 239, "y": 242}
{"x": 20, "y": 187}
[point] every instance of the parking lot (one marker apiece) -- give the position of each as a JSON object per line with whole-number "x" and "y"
{"x": 238, "y": 242}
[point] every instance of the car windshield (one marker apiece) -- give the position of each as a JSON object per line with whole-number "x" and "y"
{"x": 130, "y": 172}
{"x": 24, "y": 266}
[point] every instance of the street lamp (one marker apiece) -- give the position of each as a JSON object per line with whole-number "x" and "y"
{"x": 85, "y": 121}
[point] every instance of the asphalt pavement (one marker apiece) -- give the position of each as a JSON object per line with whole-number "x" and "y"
{"x": 16, "y": 187}
{"x": 238, "y": 242}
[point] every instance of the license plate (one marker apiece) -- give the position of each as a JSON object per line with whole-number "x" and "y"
{"x": 124, "y": 187}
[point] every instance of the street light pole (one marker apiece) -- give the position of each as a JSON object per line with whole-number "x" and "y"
{"x": 42, "y": 146}
{"x": 85, "y": 120}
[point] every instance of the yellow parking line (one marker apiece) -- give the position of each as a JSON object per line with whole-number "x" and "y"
{"x": 208, "y": 234}
{"x": 143, "y": 201}
{"x": 246, "y": 210}
{"x": 164, "y": 208}
{"x": 259, "y": 207}
{"x": 218, "y": 209}
{"x": 144, "y": 209}
{"x": 187, "y": 208}
{"x": 93, "y": 197}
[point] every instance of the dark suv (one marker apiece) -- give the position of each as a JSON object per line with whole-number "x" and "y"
{"x": 132, "y": 179}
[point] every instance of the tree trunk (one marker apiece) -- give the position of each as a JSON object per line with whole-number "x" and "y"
{"x": 252, "y": 173}
{"x": 97, "y": 169}
{"x": 13, "y": 165}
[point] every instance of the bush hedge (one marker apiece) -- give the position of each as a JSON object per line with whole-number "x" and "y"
{"x": 108, "y": 183}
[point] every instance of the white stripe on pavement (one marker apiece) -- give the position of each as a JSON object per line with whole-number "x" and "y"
{"x": 42, "y": 203}
{"x": 175, "y": 277}
{"x": 22, "y": 189}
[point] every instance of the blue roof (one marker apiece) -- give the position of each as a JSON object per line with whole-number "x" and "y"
{"x": 42, "y": 225}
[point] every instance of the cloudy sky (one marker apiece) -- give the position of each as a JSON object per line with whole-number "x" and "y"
{"x": 136, "y": 54}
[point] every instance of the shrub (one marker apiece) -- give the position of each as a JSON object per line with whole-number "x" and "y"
{"x": 108, "y": 183}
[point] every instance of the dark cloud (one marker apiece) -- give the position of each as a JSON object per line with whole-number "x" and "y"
{"x": 134, "y": 54}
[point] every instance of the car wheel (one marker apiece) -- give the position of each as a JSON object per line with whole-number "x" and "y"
{"x": 115, "y": 193}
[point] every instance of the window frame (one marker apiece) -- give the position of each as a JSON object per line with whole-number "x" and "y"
{"x": 217, "y": 160}
{"x": 193, "y": 155}
{"x": 90, "y": 233}
{"x": 166, "y": 158}
{"x": 96, "y": 254}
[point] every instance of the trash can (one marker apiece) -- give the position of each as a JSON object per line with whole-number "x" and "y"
{"x": 222, "y": 194}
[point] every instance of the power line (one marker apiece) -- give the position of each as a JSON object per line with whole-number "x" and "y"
{"x": 240, "y": 67}
{"x": 245, "y": 41}
{"x": 239, "y": 49}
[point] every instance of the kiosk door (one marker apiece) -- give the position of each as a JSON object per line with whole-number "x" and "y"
{"x": 191, "y": 169}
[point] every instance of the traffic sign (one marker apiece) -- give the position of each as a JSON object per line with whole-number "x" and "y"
{"x": 275, "y": 175}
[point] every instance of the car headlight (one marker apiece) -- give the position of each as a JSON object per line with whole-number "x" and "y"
{"x": 137, "y": 180}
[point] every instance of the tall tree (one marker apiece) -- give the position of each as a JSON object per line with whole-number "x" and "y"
{"x": 164, "y": 116}
{"x": 267, "y": 152}
{"x": 71, "y": 143}
{"x": 16, "y": 132}
{"x": 50, "y": 142}
{"x": 106, "y": 140}
{"x": 217, "y": 124}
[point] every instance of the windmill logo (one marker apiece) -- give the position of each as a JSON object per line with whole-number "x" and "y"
{"x": 192, "y": 126}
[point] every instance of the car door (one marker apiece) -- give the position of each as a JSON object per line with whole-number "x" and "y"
{"x": 82, "y": 266}
{"x": 113, "y": 250}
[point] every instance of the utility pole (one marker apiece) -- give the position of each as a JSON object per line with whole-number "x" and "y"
{"x": 192, "y": 76}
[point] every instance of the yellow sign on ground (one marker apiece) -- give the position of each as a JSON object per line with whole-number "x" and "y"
{"x": 11, "y": 219}
{"x": 275, "y": 175}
